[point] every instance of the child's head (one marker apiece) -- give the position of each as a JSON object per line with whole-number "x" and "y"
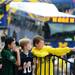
{"x": 38, "y": 41}
{"x": 25, "y": 44}
{"x": 9, "y": 43}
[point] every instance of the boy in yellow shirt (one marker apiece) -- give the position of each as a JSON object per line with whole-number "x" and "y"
{"x": 41, "y": 50}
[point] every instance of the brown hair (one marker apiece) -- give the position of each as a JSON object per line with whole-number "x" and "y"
{"x": 23, "y": 42}
{"x": 37, "y": 39}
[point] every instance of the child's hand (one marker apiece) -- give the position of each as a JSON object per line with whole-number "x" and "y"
{"x": 0, "y": 66}
{"x": 73, "y": 49}
{"x": 16, "y": 49}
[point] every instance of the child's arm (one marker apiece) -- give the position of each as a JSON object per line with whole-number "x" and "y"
{"x": 18, "y": 62}
{"x": 60, "y": 51}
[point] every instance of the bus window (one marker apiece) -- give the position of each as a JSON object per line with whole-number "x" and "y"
{"x": 27, "y": 27}
{"x": 62, "y": 31}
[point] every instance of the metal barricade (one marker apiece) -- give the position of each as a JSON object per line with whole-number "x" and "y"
{"x": 53, "y": 65}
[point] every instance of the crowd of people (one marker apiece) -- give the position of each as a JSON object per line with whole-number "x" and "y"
{"x": 18, "y": 59}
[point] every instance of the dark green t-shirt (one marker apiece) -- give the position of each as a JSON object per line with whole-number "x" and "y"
{"x": 8, "y": 62}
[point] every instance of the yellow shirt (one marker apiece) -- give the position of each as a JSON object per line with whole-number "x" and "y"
{"x": 46, "y": 50}
{"x": 43, "y": 52}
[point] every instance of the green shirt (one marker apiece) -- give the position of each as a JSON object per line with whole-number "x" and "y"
{"x": 8, "y": 61}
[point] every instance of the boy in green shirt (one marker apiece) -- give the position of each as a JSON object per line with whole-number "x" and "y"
{"x": 8, "y": 58}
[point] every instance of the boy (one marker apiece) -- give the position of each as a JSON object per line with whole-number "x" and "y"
{"x": 9, "y": 61}
{"x": 41, "y": 50}
{"x": 26, "y": 57}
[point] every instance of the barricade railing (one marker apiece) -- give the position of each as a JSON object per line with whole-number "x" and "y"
{"x": 53, "y": 65}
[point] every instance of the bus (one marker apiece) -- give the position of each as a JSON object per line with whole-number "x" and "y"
{"x": 50, "y": 29}
{"x": 58, "y": 27}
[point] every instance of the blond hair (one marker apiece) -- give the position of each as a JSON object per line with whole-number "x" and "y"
{"x": 24, "y": 41}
